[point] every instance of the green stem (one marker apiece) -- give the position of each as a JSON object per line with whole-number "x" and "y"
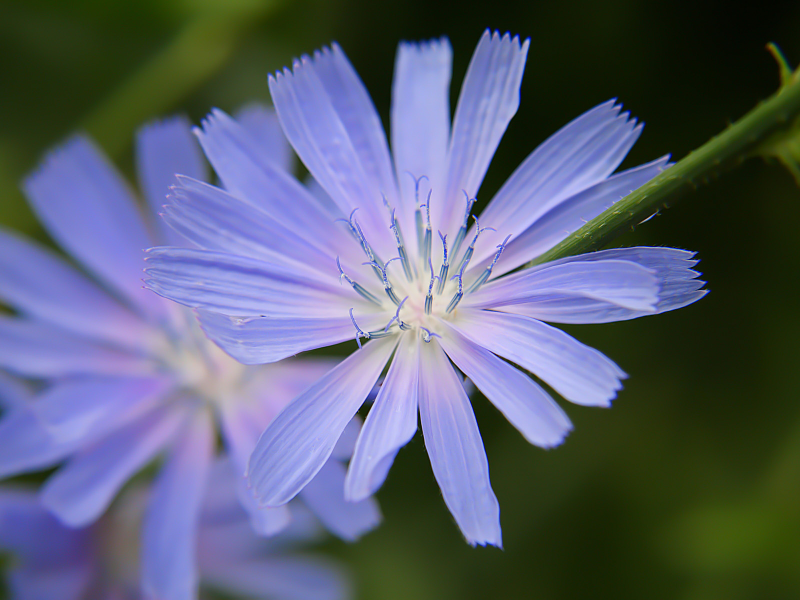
{"x": 196, "y": 53}
{"x": 764, "y": 131}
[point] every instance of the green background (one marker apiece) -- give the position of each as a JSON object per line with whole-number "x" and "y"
{"x": 689, "y": 487}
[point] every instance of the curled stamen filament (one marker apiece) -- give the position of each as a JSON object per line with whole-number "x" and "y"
{"x": 462, "y": 232}
{"x": 359, "y": 333}
{"x": 356, "y": 286}
{"x": 387, "y": 285}
{"x": 445, "y": 265}
{"x": 487, "y": 272}
{"x": 471, "y": 248}
{"x": 428, "y": 335}
{"x": 427, "y": 239}
{"x": 429, "y": 296}
{"x": 401, "y": 248}
{"x": 396, "y": 317}
{"x": 459, "y": 294}
{"x": 418, "y": 211}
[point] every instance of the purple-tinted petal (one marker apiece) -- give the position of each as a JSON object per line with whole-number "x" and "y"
{"x": 27, "y": 446}
{"x": 163, "y": 149}
{"x": 285, "y": 578}
{"x": 420, "y": 119}
{"x": 390, "y": 424}
{"x": 524, "y": 403}
{"x": 564, "y": 218}
{"x": 346, "y": 444}
{"x": 40, "y": 284}
{"x": 324, "y": 495}
{"x": 37, "y": 349}
{"x": 243, "y": 286}
{"x": 259, "y": 340}
{"x": 82, "y": 490}
{"x": 579, "y": 155}
{"x": 579, "y": 373}
{"x": 261, "y": 124}
{"x": 14, "y": 393}
{"x": 88, "y": 209}
{"x": 489, "y": 99}
{"x": 619, "y": 282}
{"x": 342, "y": 151}
{"x": 68, "y": 581}
{"x": 169, "y": 570}
{"x": 73, "y": 409}
{"x": 677, "y": 282}
{"x": 455, "y": 448}
{"x": 298, "y": 442}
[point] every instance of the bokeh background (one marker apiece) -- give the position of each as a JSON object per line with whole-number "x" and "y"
{"x": 689, "y": 488}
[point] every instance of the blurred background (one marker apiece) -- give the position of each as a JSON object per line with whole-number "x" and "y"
{"x": 689, "y": 487}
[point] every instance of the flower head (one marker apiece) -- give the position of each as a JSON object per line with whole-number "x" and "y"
{"x": 56, "y": 562}
{"x": 123, "y": 376}
{"x": 393, "y": 256}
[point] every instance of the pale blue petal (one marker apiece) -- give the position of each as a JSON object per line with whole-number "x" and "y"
{"x": 279, "y": 578}
{"x": 346, "y": 444}
{"x": 36, "y": 349}
{"x": 456, "y": 450}
{"x": 169, "y": 569}
{"x": 68, "y": 581}
{"x": 80, "y": 492}
{"x": 74, "y": 409}
{"x": 489, "y": 99}
{"x": 324, "y": 495}
{"x": 581, "y": 154}
{"x": 27, "y": 446}
{"x": 677, "y": 281}
{"x": 89, "y": 210}
{"x": 390, "y": 424}
{"x": 298, "y": 442}
{"x": 259, "y": 340}
{"x": 40, "y": 284}
{"x": 420, "y": 119}
{"x": 524, "y": 403}
{"x": 564, "y": 218}
{"x": 619, "y": 282}
{"x": 14, "y": 392}
{"x": 350, "y": 169}
{"x": 261, "y": 124}
{"x": 579, "y": 373}
{"x": 163, "y": 149}
{"x": 215, "y": 220}
{"x": 241, "y": 286}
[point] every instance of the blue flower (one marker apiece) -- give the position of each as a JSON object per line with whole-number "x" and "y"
{"x": 389, "y": 254}
{"x": 123, "y": 376}
{"x": 100, "y": 561}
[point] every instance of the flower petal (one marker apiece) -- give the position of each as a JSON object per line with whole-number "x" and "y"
{"x": 420, "y": 119}
{"x": 390, "y": 424}
{"x": 262, "y": 125}
{"x": 80, "y": 492}
{"x": 88, "y": 209}
{"x": 619, "y": 282}
{"x": 169, "y": 569}
{"x": 324, "y": 495}
{"x": 524, "y": 403}
{"x": 579, "y": 373}
{"x": 580, "y": 155}
{"x": 163, "y": 149}
{"x": 241, "y": 286}
{"x": 355, "y": 171}
{"x": 40, "y": 284}
{"x": 36, "y": 349}
{"x": 456, "y": 450}
{"x": 489, "y": 99}
{"x": 27, "y": 446}
{"x": 299, "y": 441}
{"x": 259, "y": 340}
{"x": 73, "y": 409}
{"x": 14, "y": 393}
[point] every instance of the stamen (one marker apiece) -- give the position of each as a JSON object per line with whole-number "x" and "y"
{"x": 427, "y": 335}
{"x": 428, "y": 235}
{"x": 356, "y": 286}
{"x": 471, "y": 248}
{"x": 488, "y": 271}
{"x": 387, "y": 285}
{"x": 359, "y": 333}
{"x": 459, "y": 294}
{"x": 418, "y": 212}
{"x": 429, "y": 296}
{"x": 404, "y": 326}
{"x": 401, "y": 248}
{"x": 462, "y": 232}
{"x": 445, "y": 265}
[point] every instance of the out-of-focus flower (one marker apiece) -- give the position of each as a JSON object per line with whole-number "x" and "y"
{"x": 126, "y": 376}
{"x": 389, "y": 254}
{"x": 51, "y": 561}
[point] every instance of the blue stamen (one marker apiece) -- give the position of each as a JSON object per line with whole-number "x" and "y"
{"x": 471, "y": 248}
{"x": 488, "y": 271}
{"x": 401, "y": 248}
{"x": 417, "y": 211}
{"x": 397, "y": 318}
{"x": 445, "y": 264}
{"x": 462, "y": 232}
{"x": 387, "y": 285}
{"x": 356, "y": 286}
{"x": 428, "y": 335}
{"x": 427, "y": 236}
{"x": 429, "y": 296}
{"x": 459, "y": 294}
{"x": 359, "y": 333}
